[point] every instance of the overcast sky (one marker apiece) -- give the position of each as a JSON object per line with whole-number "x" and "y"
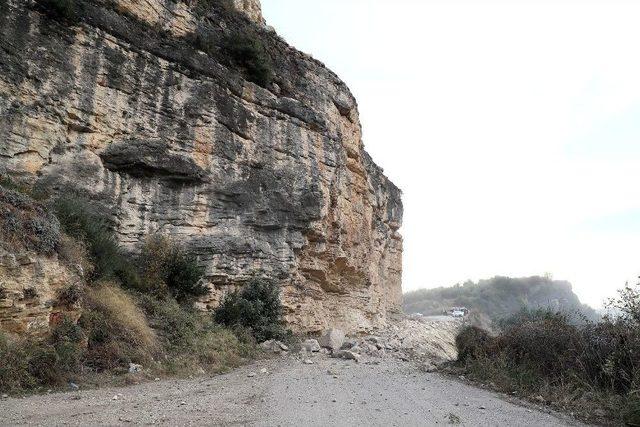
{"x": 512, "y": 127}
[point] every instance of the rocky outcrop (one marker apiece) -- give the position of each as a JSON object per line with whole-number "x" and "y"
{"x": 32, "y": 287}
{"x": 250, "y": 8}
{"x": 37, "y": 289}
{"x": 125, "y": 108}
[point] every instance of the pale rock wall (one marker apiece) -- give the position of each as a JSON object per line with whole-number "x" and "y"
{"x": 258, "y": 182}
{"x": 251, "y": 8}
{"x": 30, "y": 285}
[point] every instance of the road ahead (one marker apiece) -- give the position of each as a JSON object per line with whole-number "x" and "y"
{"x": 290, "y": 393}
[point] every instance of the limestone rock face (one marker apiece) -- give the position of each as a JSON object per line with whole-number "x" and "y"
{"x": 30, "y": 285}
{"x": 251, "y": 8}
{"x": 126, "y": 109}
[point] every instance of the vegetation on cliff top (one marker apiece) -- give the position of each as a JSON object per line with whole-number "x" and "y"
{"x": 247, "y": 52}
{"x": 499, "y": 297}
{"x": 592, "y": 369}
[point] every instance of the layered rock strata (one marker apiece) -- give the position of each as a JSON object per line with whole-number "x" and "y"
{"x": 125, "y": 107}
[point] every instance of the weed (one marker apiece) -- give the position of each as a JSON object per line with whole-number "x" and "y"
{"x": 70, "y": 295}
{"x": 544, "y": 353}
{"x": 80, "y": 220}
{"x": 192, "y": 340}
{"x": 29, "y": 363}
{"x": 26, "y": 224}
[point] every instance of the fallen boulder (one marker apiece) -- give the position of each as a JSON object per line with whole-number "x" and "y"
{"x": 332, "y": 339}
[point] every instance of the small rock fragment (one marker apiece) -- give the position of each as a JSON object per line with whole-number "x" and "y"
{"x": 348, "y": 344}
{"x": 134, "y": 368}
{"x": 274, "y": 346}
{"x": 346, "y": 354}
{"x": 311, "y": 345}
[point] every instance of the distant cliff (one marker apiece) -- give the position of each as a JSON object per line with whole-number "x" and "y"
{"x": 499, "y": 297}
{"x": 193, "y": 118}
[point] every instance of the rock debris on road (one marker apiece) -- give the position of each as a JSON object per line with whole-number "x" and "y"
{"x": 286, "y": 392}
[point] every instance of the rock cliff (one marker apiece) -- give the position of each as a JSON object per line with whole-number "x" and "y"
{"x": 135, "y": 105}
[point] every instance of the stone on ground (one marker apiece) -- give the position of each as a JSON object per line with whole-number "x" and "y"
{"x": 311, "y": 346}
{"x": 332, "y": 339}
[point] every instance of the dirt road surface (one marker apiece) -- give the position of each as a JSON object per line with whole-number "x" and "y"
{"x": 286, "y": 392}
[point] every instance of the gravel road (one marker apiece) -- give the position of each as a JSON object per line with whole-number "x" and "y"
{"x": 286, "y": 393}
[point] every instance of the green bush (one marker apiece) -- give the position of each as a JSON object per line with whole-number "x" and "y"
{"x": 248, "y": 52}
{"x": 14, "y": 369}
{"x": 176, "y": 324}
{"x": 472, "y": 342}
{"x": 110, "y": 262}
{"x": 256, "y": 307}
{"x": 28, "y": 363}
{"x": 184, "y": 277}
{"x": 166, "y": 267}
{"x": 70, "y": 295}
{"x": 583, "y": 365}
{"x": 192, "y": 341}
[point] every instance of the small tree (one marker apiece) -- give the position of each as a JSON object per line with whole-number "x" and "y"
{"x": 256, "y": 307}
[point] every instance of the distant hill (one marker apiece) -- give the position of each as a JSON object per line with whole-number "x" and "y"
{"x": 499, "y": 297}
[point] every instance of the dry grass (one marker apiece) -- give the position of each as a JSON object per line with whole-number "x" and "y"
{"x": 120, "y": 308}
{"x": 75, "y": 254}
{"x": 118, "y": 331}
